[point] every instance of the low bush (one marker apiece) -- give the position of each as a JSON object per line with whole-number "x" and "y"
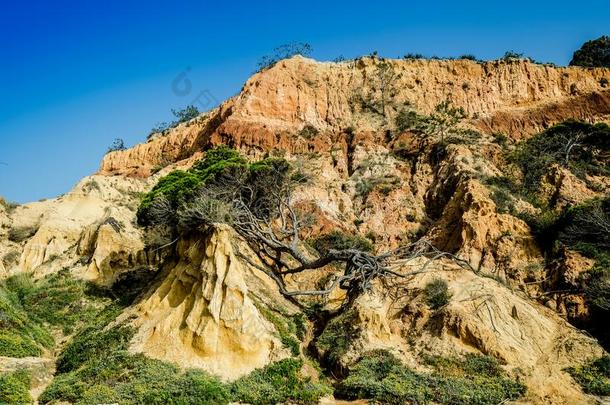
{"x": 595, "y": 53}
{"x": 20, "y": 336}
{"x": 309, "y": 132}
{"x": 594, "y": 377}
{"x": 578, "y": 146}
{"x": 15, "y": 387}
{"x": 285, "y": 327}
{"x": 380, "y": 377}
{"x": 469, "y": 57}
{"x": 279, "y": 382}
{"x": 337, "y": 336}
{"x": 338, "y": 240}
{"x": 117, "y": 145}
{"x": 437, "y": 293}
{"x": 58, "y": 300}
{"x": 96, "y": 367}
{"x": 408, "y": 119}
{"x": 385, "y": 184}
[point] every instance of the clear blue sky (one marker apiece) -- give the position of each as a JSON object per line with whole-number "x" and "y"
{"x": 74, "y": 75}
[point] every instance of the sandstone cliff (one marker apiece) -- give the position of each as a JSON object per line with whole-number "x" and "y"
{"x": 208, "y": 308}
{"x": 517, "y": 98}
{"x": 204, "y": 313}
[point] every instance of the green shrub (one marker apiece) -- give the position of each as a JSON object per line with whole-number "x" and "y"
{"x": 337, "y": 336}
{"x": 338, "y": 240}
{"x": 512, "y": 55}
{"x": 175, "y": 187}
{"x": 117, "y": 145}
{"x": 538, "y": 153}
{"x": 469, "y": 57}
{"x": 380, "y": 377}
{"x": 134, "y": 379}
{"x": 285, "y": 327}
{"x": 182, "y": 198}
{"x": 20, "y": 336}
{"x": 15, "y": 345}
{"x": 501, "y": 139}
{"x": 91, "y": 343}
{"x": 595, "y": 53}
{"x": 96, "y": 366}
{"x": 385, "y": 185}
{"x": 407, "y": 119}
{"x": 59, "y": 300}
{"x": 309, "y": 132}
{"x": 279, "y": 382}
{"x": 437, "y": 293}
{"x": 594, "y": 377}
{"x": 15, "y": 388}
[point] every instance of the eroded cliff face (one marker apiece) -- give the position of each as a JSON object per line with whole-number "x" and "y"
{"x": 483, "y": 316}
{"x": 517, "y": 98}
{"x": 90, "y": 230}
{"x": 204, "y": 313}
{"x": 206, "y": 308}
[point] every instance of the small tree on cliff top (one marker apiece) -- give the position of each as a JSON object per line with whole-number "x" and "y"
{"x": 595, "y": 53}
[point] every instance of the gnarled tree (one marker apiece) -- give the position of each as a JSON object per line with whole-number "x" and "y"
{"x": 257, "y": 200}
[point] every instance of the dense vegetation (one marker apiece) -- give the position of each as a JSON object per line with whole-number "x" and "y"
{"x": 576, "y": 145}
{"x": 594, "y": 53}
{"x": 221, "y": 167}
{"x": 339, "y": 240}
{"x": 381, "y": 377}
{"x": 581, "y": 148}
{"x": 97, "y": 368}
{"x": 20, "y": 336}
{"x": 594, "y": 376}
{"x": 14, "y": 388}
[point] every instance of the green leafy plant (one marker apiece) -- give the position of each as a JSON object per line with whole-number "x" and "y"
{"x": 15, "y": 387}
{"x": 381, "y": 377}
{"x": 279, "y": 382}
{"x": 437, "y": 293}
{"x": 20, "y": 336}
{"x": 594, "y": 53}
{"x": 337, "y": 336}
{"x": 117, "y": 145}
{"x": 408, "y": 119}
{"x": 578, "y": 146}
{"x": 594, "y": 376}
{"x": 338, "y": 240}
